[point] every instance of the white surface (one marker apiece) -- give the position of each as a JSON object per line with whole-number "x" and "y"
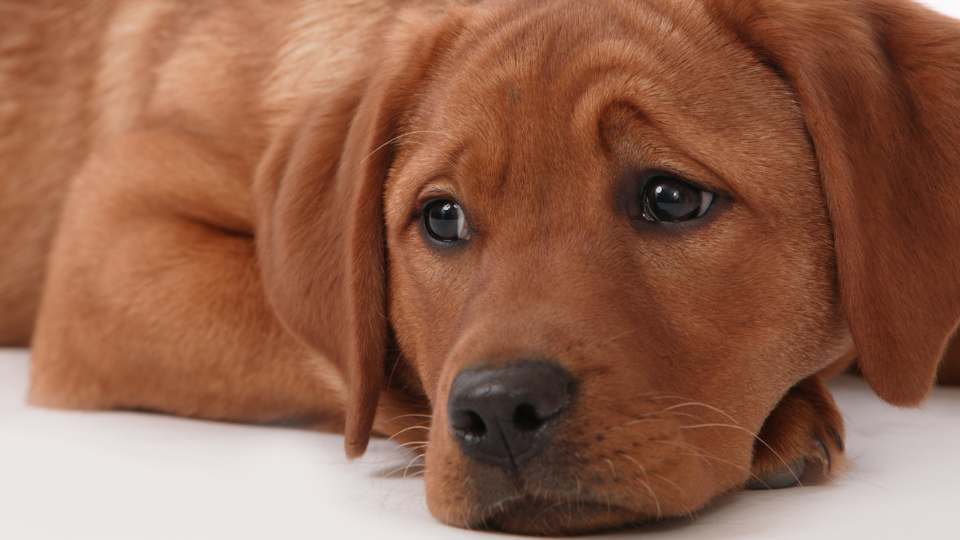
{"x": 128, "y": 476}
{"x": 950, "y": 7}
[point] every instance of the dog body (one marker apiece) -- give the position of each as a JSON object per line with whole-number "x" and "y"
{"x": 74, "y": 79}
{"x": 83, "y": 101}
{"x": 223, "y": 210}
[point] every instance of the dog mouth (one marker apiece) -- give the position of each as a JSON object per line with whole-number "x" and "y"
{"x": 558, "y": 515}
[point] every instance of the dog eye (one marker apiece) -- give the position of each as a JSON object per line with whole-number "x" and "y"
{"x": 665, "y": 198}
{"x": 444, "y": 221}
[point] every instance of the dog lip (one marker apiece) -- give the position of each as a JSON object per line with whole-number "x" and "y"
{"x": 495, "y": 516}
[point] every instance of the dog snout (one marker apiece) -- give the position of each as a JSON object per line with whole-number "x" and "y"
{"x": 502, "y": 416}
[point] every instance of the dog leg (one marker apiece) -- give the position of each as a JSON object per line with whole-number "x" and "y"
{"x": 802, "y": 439}
{"x": 153, "y": 298}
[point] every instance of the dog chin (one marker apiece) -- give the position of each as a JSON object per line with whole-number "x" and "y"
{"x": 557, "y": 516}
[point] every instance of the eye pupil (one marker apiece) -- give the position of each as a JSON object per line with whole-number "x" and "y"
{"x": 675, "y": 201}
{"x": 444, "y": 221}
{"x": 669, "y": 199}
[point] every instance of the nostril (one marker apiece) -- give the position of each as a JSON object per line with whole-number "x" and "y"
{"x": 525, "y": 418}
{"x": 468, "y": 425}
{"x": 502, "y": 416}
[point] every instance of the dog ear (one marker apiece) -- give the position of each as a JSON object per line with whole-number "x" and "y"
{"x": 320, "y": 229}
{"x": 879, "y": 85}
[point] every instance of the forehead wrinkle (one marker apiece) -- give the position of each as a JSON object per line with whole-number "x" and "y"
{"x": 469, "y": 159}
{"x": 660, "y": 25}
{"x": 569, "y": 58}
{"x": 507, "y": 27}
{"x": 495, "y": 75}
{"x": 670, "y": 100}
{"x": 665, "y": 138}
{"x": 520, "y": 56}
{"x": 491, "y": 31}
{"x": 671, "y": 16}
{"x": 533, "y": 42}
{"x": 604, "y": 73}
{"x": 650, "y": 51}
{"x": 537, "y": 45}
{"x": 732, "y": 153}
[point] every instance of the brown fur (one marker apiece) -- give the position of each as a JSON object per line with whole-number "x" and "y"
{"x": 236, "y": 190}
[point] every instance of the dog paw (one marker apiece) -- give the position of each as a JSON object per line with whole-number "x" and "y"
{"x": 801, "y": 441}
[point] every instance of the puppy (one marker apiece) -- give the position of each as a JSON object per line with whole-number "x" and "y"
{"x": 589, "y": 258}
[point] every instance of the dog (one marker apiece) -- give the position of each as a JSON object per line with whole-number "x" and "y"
{"x": 592, "y": 260}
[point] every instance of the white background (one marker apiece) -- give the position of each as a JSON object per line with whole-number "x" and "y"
{"x": 126, "y": 475}
{"x": 950, "y": 7}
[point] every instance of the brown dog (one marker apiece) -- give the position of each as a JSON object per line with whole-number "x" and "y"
{"x": 581, "y": 251}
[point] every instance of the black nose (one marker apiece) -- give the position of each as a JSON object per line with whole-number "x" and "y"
{"x": 501, "y": 416}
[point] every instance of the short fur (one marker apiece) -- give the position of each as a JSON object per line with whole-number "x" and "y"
{"x": 211, "y": 209}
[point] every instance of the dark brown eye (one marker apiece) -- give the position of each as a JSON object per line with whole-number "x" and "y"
{"x": 444, "y": 221}
{"x": 665, "y": 198}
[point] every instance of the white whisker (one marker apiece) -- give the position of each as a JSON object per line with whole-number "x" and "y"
{"x": 410, "y": 428}
{"x": 647, "y": 485}
{"x": 755, "y": 436}
{"x": 398, "y": 138}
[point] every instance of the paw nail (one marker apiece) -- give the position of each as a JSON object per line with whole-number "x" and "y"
{"x": 787, "y": 477}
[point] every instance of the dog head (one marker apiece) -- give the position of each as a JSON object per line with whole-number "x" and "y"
{"x": 605, "y": 238}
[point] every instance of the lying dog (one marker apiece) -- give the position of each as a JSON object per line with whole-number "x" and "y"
{"x": 578, "y": 254}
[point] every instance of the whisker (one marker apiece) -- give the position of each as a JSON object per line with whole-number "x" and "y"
{"x": 671, "y": 396}
{"x": 613, "y": 470}
{"x": 404, "y": 430}
{"x": 392, "y": 473}
{"x": 399, "y": 137}
{"x": 683, "y": 494}
{"x": 646, "y": 484}
{"x": 428, "y": 416}
{"x": 542, "y": 514}
{"x": 658, "y": 413}
{"x": 755, "y": 436}
{"x": 733, "y": 425}
{"x": 703, "y": 454}
{"x": 411, "y": 463}
{"x": 705, "y": 405}
{"x": 414, "y": 445}
{"x": 651, "y": 417}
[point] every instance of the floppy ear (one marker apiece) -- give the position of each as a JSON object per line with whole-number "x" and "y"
{"x": 320, "y": 230}
{"x": 879, "y": 85}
